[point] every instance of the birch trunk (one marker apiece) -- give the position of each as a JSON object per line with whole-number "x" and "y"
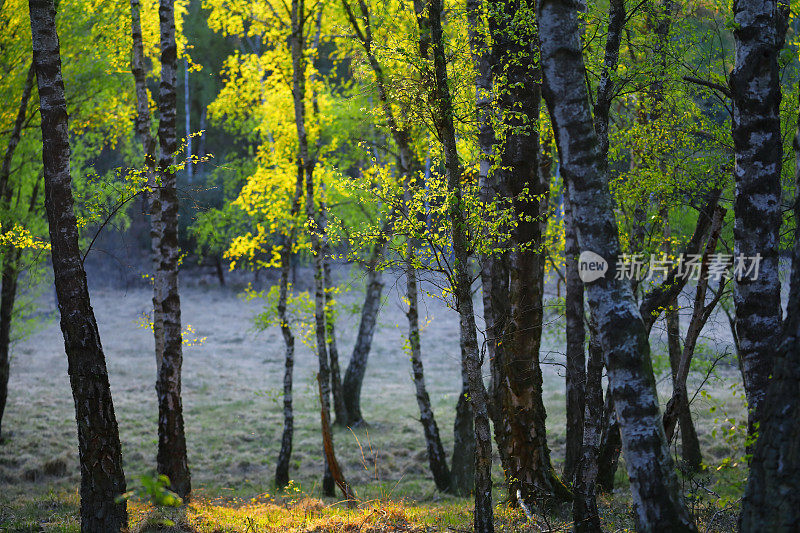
{"x": 610, "y": 440}
{"x": 142, "y": 126}
{"x": 285, "y": 453}
{"x": 201, "y": 143}
{"x": 606, "y": 87}
{"x": 659, "y": 20}
{"x": 218, "y": 269}
{"x": 584, "y": 509}
{"x": 102, "y": 478}
{"x": 575, "y": 354}
{"x": 354, "y": 376}
{"x": 436, "y": 455}
{"x": 690, "y": 444}
{"x": 756, "y": 96}
{"x": 339, "y": 407}
{"x": 610, "y": 444}
{"x": 324, "y": 253}
{"x": 772, "y": 496}
{"x": 656, "y": 498}
{"x": 330, "y": 457}
{"x": 430, "y": 28}
{"x": 496, "y": 311}
{"x": 463, "y": 459}
{"x": 172, "y": 459}
{"x": 297, "y": 43}
{"x": 494, "y": 268}
{"x": 8, "y": 294}
{"x": 14, "y": 138}
{"x": 517, "y": 90}
{"x": 357, "y": 368}
{"x": 661, "y": 295}
{"x": 400, "y": 134}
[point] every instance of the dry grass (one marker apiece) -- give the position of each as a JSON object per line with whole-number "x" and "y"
{"x": 231, "y": 390}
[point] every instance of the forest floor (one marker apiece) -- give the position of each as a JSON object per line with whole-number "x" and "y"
{"x": 232, "y": 383}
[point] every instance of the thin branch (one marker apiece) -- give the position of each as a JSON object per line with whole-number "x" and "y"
{"x": 710, "y": 84}
{"x": 106, "y": 221}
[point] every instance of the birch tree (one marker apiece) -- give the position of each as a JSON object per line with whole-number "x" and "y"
{"x": 517, "y": 95}
{"x": 287, "y": 249}
{"x": 315, "y": 229}
{"x": 142, "y": 126}
{"x": 494, "y": 266}
{"x": 361, "y": 23}
{"x": 657, "y": 502}
{"x": 584, "y": 507}
{"x": 760, "y": 27}
{"x": 576, "y": 362}
{"x": 172, "y": 459}
{"x": 102, "y": 477}
{"x": 429, "y": 24}
{"x": 772, "y": 496}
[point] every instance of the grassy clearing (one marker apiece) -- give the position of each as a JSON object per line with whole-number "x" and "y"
{"x": 57, "y": 512}
{"x": 232, "y": 393}
{"x": 267, "y": 514}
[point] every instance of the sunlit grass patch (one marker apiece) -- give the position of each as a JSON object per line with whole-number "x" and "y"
{"x": 296, "y": 511}
{"x": 305, "y": 514}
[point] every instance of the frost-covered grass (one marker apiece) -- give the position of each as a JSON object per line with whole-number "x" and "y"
{"x": 232, "y": 401}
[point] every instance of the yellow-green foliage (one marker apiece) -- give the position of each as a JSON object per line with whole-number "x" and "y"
{"x": 21, "y": 238}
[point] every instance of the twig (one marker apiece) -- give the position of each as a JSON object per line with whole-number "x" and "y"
{"x": 710, "y": 84}
{"x": 105, "y": 223}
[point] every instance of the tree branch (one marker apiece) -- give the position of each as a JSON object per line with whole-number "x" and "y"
{"x": 710, "y": 84}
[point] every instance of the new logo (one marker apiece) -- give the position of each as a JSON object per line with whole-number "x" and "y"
{"x": 591, "y": 266}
